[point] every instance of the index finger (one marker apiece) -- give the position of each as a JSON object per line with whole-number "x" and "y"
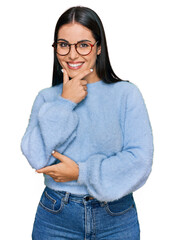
{"x": 45, "y": 170}
{"x": 81, "y": 75}
{"x": 65, "y": 76}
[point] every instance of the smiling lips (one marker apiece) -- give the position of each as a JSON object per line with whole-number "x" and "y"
{"x": 75, "y": 65}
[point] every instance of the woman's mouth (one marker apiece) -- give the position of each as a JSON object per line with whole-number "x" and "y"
{"x": 75, "y": 65}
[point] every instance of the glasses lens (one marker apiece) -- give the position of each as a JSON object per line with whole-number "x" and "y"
{"x": 83, "y": 48}
{"x": 62, "y": 48}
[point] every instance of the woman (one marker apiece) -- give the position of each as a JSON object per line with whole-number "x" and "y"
{"x": 90, "y": 135}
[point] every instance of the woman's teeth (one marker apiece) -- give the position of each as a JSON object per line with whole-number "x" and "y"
{"x": 75, "y": 65}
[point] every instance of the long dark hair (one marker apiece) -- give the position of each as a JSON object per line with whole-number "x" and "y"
{"x": 89, "y": 19}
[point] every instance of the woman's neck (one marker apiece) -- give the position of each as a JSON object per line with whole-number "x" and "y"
{"x": 92, "y": 77}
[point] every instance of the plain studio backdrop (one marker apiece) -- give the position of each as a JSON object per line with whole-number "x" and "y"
{"x": 140, "y": 37}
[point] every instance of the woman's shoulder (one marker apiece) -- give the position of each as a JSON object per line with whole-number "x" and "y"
{"x": 126, "y": 87}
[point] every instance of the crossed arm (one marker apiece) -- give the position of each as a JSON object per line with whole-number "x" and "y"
{"x": 65, "y": 171}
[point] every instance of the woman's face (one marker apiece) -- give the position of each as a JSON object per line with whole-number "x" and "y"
{"x": 74, "y": 62}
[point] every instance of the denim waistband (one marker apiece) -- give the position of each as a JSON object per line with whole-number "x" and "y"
{"x": 81, "y": 198}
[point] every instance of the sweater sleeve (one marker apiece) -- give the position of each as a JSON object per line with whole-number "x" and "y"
{"x": 52, "y": 126}
{"x": 111, "y": 177}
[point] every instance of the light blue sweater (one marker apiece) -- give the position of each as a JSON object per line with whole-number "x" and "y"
{"x": 108, "y": 134}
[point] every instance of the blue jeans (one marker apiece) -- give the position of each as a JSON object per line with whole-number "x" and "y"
{"x": 64, "y": 216}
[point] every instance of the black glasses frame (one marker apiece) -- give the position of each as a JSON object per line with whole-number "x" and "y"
{"x": 70, "y": 44}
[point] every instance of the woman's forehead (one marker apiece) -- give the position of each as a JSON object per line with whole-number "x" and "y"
{"x": 74, "y": 32}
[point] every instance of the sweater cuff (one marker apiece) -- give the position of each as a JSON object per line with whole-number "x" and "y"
{"x": 82, "y": 173}
{"x": 68, "y": 104}
{"x": 55, "y": 107}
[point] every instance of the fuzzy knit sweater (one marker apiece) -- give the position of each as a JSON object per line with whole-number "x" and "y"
{"x": 108, "y": 134}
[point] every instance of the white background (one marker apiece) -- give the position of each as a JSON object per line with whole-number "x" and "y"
{"x": 140, "y": 36}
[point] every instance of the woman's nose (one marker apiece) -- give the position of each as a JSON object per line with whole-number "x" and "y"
{"x": 73, "y": 53}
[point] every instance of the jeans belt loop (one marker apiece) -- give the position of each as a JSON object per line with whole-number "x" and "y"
{"x": 66, "y": 198}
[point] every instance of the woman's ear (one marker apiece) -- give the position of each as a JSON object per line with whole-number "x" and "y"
{"x": 99, "y": 50}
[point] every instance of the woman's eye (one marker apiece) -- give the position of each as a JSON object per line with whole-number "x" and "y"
{"x": 63, "y": 44}
{"x": 84, "y": 45}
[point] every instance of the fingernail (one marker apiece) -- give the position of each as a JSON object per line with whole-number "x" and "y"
{"x": 62, "y": 70}
{"x": 53, "y": 152}
{"x": 91, "y": 70}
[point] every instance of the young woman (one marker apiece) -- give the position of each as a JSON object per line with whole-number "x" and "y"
{"x": 90, "y": 135}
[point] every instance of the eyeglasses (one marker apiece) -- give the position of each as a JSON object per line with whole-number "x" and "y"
{"x": 63, "y": 48}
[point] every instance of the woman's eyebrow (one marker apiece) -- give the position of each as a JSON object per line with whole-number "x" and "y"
{"x": 84, "y": 40}
{"x": 61, "y": 39}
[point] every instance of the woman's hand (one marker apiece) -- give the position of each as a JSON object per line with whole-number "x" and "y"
{"x": 65, "y": 171}
{"x": 75, "y": 89}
